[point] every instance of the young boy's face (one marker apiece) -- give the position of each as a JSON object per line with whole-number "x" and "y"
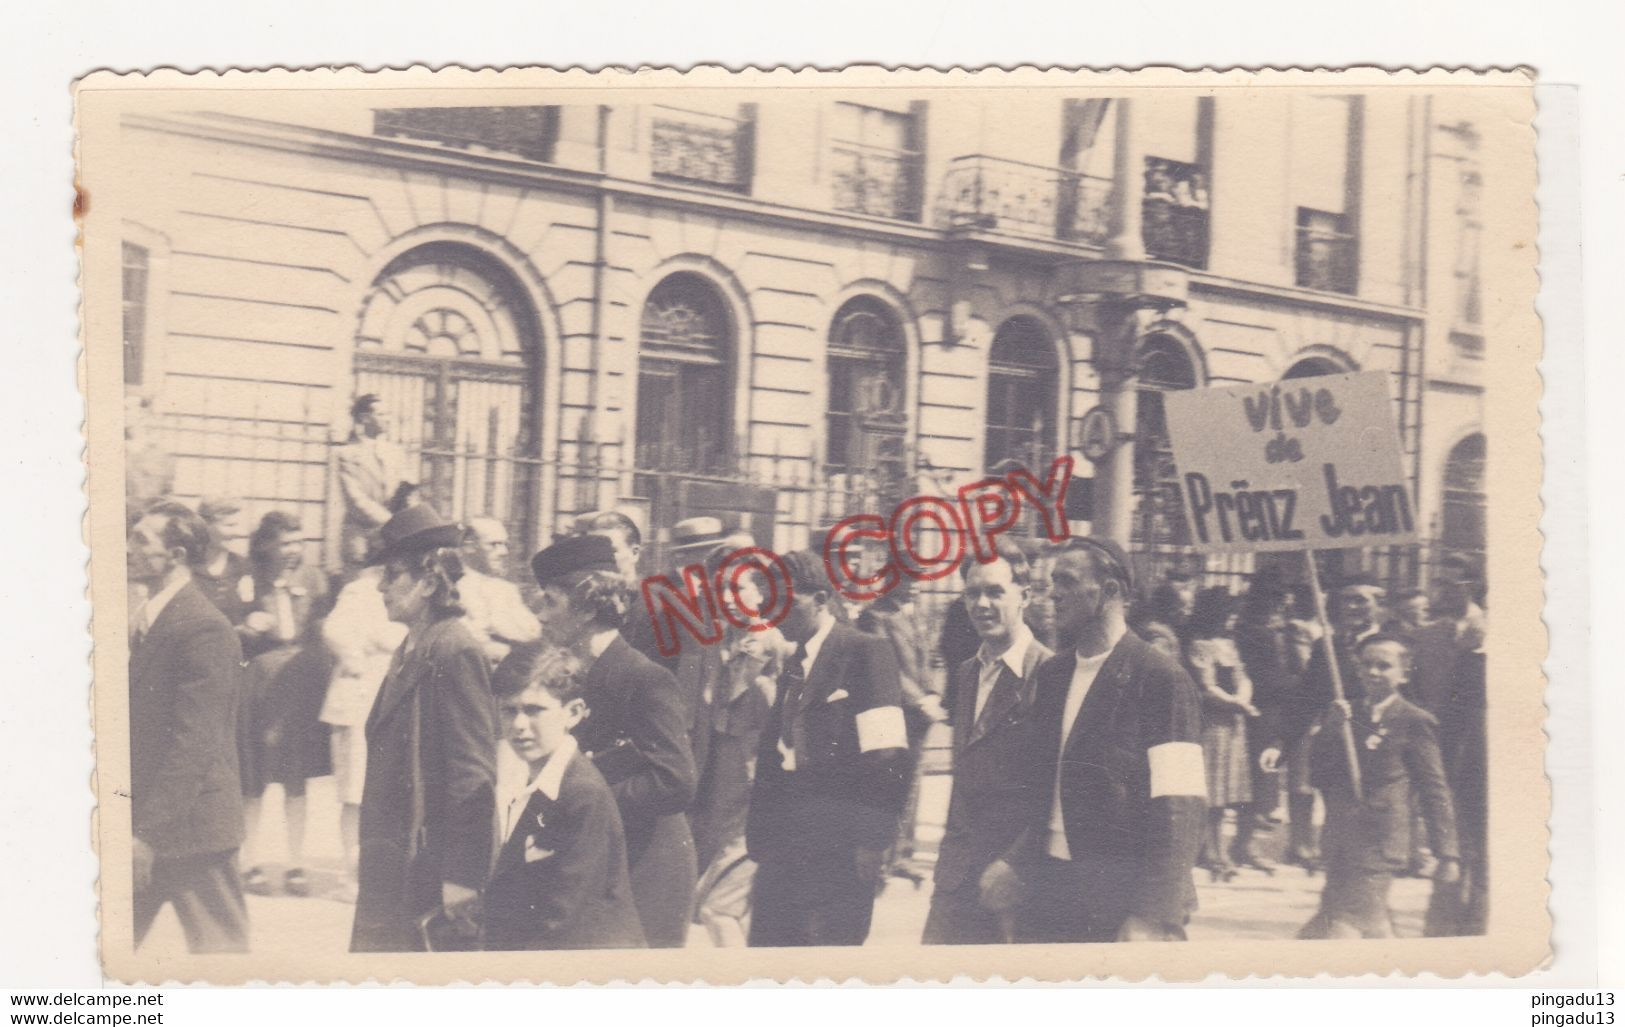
{"x": 1384, "y": 667}
{"x": 536, "y": 722}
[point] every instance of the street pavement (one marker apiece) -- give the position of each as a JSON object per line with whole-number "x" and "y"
{"x": 1253, "y": 906}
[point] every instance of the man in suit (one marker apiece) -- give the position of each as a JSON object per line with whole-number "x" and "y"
{"x": 832, "y": 773}
{"x": 992, "y": 735}
{"x": 635, "y": 731}
{"x": 1368, "y": 839}
{"x": 1117, "y": 796}
{"x": 371, "y": 470}
{"x": 186, "y": 816}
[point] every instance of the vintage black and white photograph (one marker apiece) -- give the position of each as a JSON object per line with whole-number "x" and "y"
{"x": 877, "y": 523}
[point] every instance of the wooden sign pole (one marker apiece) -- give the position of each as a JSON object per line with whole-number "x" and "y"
{"x": 1336, "y": 672}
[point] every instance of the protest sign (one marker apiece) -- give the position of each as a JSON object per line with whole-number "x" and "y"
{"x": 1311, "y": 463}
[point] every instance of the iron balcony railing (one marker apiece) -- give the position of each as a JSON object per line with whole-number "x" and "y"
{"x": 528, "y": 132}
{"x": 1326, "y": 260}
{"x": 1008, "y": 197}
{"x": 706, "y": 149}
{"x": 876, "y": 180}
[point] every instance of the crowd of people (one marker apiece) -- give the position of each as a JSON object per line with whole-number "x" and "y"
{"x": 525, "y": 769}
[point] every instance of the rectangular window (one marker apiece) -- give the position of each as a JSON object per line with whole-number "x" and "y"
{"x": 876, "y": 162}
{"x": 136, "y": 274}
{"x": 1177, "y": 132}
{"x": 1325, "y": 188}
{"x": 528, "y": 132}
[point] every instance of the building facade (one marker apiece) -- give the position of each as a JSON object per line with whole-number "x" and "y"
{"x": 789, "y": 310}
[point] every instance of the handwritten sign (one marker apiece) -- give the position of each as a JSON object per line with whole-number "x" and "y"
{"x": 1308, "y": 463}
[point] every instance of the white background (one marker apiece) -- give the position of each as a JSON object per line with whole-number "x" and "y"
{"x": 47, "y": 910}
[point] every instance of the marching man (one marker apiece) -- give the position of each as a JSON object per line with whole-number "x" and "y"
{"x": 832, "y": 773}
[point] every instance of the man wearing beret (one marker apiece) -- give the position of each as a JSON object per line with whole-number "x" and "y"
{"x": 832, "y": 773}
{"x": 1116, "y": 793}
{"x": 635, "y": 730}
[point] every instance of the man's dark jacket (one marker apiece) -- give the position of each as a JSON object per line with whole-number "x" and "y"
{"x": 184, "y": 787}
{"x": 1137, "y": 734}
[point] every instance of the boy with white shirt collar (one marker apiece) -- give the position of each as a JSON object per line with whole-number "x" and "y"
{"x": 561, "y": 880}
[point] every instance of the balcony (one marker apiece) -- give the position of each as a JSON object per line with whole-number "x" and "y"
{"x": 1174, "y": 213}
{"x": 1006, "y": 197}
{"x": 1326, "y": 254}
{"x": 876, "y": 180}
{"x": 528, "y": 132}
{"x": 702, "y": 149}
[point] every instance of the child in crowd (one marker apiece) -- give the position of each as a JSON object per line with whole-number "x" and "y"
{"x": 560, "y": 880}
{"x": 1367, "y": 839}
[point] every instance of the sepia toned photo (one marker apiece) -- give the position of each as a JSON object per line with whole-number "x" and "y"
{"x": 719, "y": 526}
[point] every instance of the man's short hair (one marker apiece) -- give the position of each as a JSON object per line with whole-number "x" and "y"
{"x": 474, "y": 529}
{"x": 1106, "y": 560}
{"x": 183, "y": 528}
{"x": 1011, "y": 552}
{"x": 364, "y": 404}
{"x": 610, "y": 520}
{"x": 218, "y": 508}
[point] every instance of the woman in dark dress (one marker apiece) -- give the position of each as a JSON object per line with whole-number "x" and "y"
{"x": 281, "y": 739}
{"x": 428, "y": 807}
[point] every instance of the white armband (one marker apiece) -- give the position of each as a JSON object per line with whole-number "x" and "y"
{"x": 881, "y": 728}
{"x": 1177, "y": 769}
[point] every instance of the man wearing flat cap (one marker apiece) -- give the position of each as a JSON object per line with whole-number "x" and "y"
{"x": 1116, "y": 793}
{"x": 832, "y": 773}
{"x": 635, "y": 728}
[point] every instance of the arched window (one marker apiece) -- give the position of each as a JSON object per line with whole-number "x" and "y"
{"x": 1022, "y": 377}
{"x": 1462, "y": 517}
{"x": 685, "y": 387}
{"x": 1314, "y": 367}
{"x": 450, "y": 344}
{"x": 867, "y": 422}
{"x": 1159, "y": 521}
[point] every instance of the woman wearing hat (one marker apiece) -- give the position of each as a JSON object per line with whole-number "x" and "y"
{"x": 636, "y": 730}
{"x": 428, "y": 805}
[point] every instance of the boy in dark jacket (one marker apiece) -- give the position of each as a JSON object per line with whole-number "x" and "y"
{"x": 560, "y": 880}
{"x": 1367, "y": 840}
